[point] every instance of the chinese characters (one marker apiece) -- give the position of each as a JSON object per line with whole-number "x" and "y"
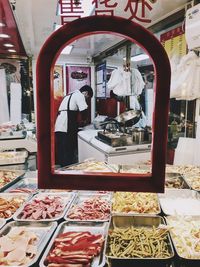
{"x": 131, "y": 9}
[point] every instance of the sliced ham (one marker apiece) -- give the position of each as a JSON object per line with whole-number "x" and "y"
{"x": 17, "y": 255}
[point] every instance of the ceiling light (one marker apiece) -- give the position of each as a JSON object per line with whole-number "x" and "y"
{"x": 11, "y": 50}
{"x": 2, "y": 35}
{"x": 2, "y": 24}
{"x": 67, "y": 50}
{"x": 8, "y": 45}
{"x": 139, "y": 57}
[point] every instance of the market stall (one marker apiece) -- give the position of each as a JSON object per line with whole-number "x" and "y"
{"x": 78, "y": 228}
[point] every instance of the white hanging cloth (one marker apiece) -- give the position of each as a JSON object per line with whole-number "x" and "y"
{"x": 4, "y": 111}
{"x": 134, "y": 103}
{"x": 120, "y": 82}
{"x": 137, "y": 82}
{"x": 185, "y": 79}
{"x": 15, "y": 103}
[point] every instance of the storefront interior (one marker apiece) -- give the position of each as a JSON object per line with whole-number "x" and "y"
{"x": 114, "y": 133}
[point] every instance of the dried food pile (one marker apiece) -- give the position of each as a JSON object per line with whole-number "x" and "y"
{"x": 131, "y": 202}
{"x": 9, "y": 205}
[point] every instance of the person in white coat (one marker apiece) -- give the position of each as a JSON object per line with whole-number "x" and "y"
{"x": 66, "y": 126}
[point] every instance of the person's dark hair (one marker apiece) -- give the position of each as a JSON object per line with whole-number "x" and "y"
{"x": 88, "y": 89}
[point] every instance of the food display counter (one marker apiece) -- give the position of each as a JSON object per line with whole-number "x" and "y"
{"x": 101, "y": 228}
{"x": 91, "y": 147}
{"x": 27, "y": 143}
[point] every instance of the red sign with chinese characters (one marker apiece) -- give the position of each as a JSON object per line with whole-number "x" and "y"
{"x": 137, "y": 10}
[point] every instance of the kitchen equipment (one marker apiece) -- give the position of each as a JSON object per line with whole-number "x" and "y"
{"x": 129, "y": 118}
{"x": 116, "y": 139}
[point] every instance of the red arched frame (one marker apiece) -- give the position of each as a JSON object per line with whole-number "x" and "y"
{"x": 48, "y": 178}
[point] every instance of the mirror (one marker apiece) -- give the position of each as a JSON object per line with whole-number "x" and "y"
{"x": 112, "y": 131}
{"x": 51, "y": 175}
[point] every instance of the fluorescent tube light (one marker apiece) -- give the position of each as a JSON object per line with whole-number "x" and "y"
{"x": 67, "y": 50}
{"x": 8, "y": 45}
{"x": 139, "y": 57}
{"x": 2, "y": 35}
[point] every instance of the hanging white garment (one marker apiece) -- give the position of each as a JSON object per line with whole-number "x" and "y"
{"x": 15, "y": 103}
{"x": 134, "y": 104}
{"x": 120, "y": 82}
{"x": 137, "y": 82}
{"x": 4, "y": 111}
{"x": 185, "y": 81}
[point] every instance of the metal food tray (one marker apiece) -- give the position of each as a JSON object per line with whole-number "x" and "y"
{"x": 138, "y": 213}
{"x": 138, "y": 222}
{"x": 82, "y": 167}
{"x": 191, "y": 218}
{"x": 190, "y": 184}
{"x": 19, "y": 175}
{"x": 173, "y": 201}
{"x": 68, "y": 198}
{"x": 18, "y": 157}
{"x": 92, "y": 227}
{"x": 30, "y": 183}
{"x": 12, "y": 135}
{"x": 171, "y": 176}
{"x": 81, "y": 197}
{"x": 43, "y": 230}
{"x": 142, "y": 169}
{"x": 26, "y": 196}
{"x": 115, "y": 140}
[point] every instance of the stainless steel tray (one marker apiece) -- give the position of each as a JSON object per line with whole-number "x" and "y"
{"x": 13, "y": 157}
{"x": 181, "y": 220}
{"x": 193, "y": 182}
{"x": 135, "y": 169}
{"x": 90, "y": 166}
{"x": 134, "y": 212}
{"x": 30, "y": 183}
{"x": 137, "y": 221}
{"x": 92, "y": 227}
{"x": 180, "y": 202}
{"x": 18, "y": 176}
{"x": 43, "y": 230}
{"x": 13, "y": 195}
{"x": 80, "y": 198}
{"x": 67, "y": 198}
{"x": 172, "y": 178}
